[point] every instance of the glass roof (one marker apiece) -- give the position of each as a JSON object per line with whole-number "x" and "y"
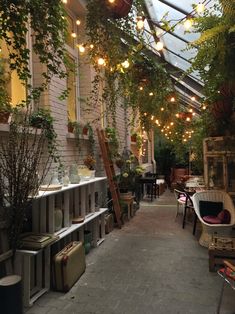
{"x": 175, "y": 40}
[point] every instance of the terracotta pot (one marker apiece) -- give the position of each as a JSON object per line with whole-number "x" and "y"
{"x": 70, "y": 128}
{"x": 119, "y": 8}
{"x": 85, "y": 130}
{"x": 4, "y": 117}
{"x": 133, "y": 138}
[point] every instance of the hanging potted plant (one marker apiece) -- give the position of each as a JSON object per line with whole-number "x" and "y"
{"x": 119, "y": 8}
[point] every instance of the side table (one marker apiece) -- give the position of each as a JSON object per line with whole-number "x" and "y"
{"x": 219, "y": 249}
{"x": 128, "y": 200}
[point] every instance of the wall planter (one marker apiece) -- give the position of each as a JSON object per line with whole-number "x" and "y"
{"x": 119, "y": 8}
{"x": 4, "y": 117}
{"x": 85, "y": 130}
{"x": 133, "y": 138}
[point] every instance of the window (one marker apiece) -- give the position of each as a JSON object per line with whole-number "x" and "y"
{"x": 72, "y": 90}
{"x": 72, "y": 78}
{"x": 15, "y": 87}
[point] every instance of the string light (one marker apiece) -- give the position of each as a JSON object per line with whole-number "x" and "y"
{"x": 141, "y": 88}
{"x": 188, "y": 119}
{"x": 162, "y": 109}
{"x": 81, "y": 48}
{"x": 151, "y": 94}
{"x": 91, "y": 46}
{"x": 193, "y": 98}
{"x": 172, "y": 99}
{"x": 64, "y": 1}
{"x": 200, "y": 7}
{"x": 126, "y": 64}
{"x": 78, "y": 22}
{"x": 101, "y": 62}
{"x": 111, "y": 1}
{"x": 140, "y": 22}
{"x": 74, "y": 35}
{"x": 159, "y": 46}
{"x": 204, "y": 107}
{"x": 188, "y": 23}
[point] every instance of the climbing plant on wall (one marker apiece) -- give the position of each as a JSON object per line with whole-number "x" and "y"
{"x": 122, "y": 66}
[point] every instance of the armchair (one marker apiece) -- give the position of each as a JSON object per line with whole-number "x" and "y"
{"x": 208, "y": 229}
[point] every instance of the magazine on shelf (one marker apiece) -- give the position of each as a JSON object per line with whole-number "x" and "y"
{"x": 32, "y": 240}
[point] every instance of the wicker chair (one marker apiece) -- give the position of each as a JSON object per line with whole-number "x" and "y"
{"x": 209, "y": 229}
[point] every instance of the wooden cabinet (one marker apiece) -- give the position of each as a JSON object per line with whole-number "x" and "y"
{"x": 75, "y": 200}
{"x": 219, "y": 163}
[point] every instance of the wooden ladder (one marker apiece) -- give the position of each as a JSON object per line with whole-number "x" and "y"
{"x": 110, "y": 172}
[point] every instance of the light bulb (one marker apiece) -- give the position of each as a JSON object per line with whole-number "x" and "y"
{"x": 188, "y": 23}
{"x": 101, "y": 62}
{"x": 64, "y": 1}
{"x": 204, "y": 107}
{"x": 200, "y": 8}
{"x": 74, "y": 35}
{"x": 152, "y": 117}
{"x": 81, "y": 48}
{"x": 159, "y": 46}
{"x": 172, "y": 99}
{"x": 126, "y": 64}
{"x": 190, "y": 110}
{"x": 141, "y": 88}
{"x": 151, "y": 94}
{"x": 193, "y": 98}
{"x": 78, "y": 22}
{"x": 91, "y": 46}
{"x": 172, "y": 123}
{"x": 140, "y": 22}
{"x": 177, "y": 115}
{"x": 111, "y": 1}
{"x": 162, "y": 109}
{"x": 188, "y": 119}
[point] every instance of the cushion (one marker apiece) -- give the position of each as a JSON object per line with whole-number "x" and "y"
{"x": 224, "y": 216}
{"x": 182, "y": 199}
{"x": 212, "y": 220}
{"x": 208, "y": 208}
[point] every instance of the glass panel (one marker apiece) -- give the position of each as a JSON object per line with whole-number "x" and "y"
{"x": 231, "y": 174}
{"x": 215, "y": 172}
{"x": 220, "y": 144}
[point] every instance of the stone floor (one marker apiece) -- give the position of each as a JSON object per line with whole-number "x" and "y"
{"x": 150, "y": 266}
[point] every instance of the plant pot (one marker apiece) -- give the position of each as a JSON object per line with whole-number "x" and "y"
{"x": 70, "y": 128}
{"x": 11, "y": 295}
{"x": 133, "y": 138}
{"x": 119, "y": 8}
{"x": 85, "y": 131}
{"x": 4, "y": 117}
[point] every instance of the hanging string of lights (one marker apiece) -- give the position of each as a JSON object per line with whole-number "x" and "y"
{"x": 140, "y": 26}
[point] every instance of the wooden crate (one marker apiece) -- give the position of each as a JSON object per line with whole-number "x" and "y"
{"x": 220, "y": 248}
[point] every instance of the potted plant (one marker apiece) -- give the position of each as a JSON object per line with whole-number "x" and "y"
{"x": 90, "y": 162}
{"x": 75, "y": 128}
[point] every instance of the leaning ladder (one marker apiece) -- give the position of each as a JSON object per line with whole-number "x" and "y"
{"x": 110, "y": 172}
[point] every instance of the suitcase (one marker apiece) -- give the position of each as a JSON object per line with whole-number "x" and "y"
{"x": 109, "y": 222}
{"x": 68, "y": 265}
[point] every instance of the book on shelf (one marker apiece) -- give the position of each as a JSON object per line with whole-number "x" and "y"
{"x": 31, "y": 240}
